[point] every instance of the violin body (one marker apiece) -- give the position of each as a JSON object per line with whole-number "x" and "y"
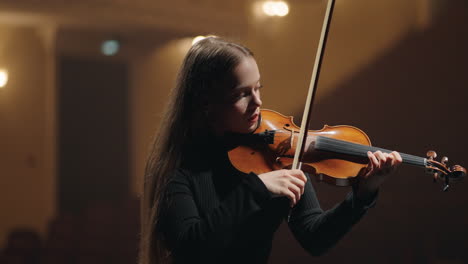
{"x": 334, "y": 154}
{"x": 334, "y": 168}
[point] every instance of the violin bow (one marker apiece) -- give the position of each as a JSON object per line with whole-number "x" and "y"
{"x": 297, "y": 162}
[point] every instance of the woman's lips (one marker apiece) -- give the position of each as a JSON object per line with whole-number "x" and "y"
{"x": 253, "y": 118}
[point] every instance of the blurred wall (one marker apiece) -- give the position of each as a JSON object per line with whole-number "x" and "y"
{"x": 27, "y": 136}
{"x": 153, "y": 73}
{"x": 360, "y": 32}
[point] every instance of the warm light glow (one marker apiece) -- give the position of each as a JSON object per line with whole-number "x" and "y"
{"x": 275, "y": 8}
{"x": 197, "y": 38}
{"x": 269, "y": 8}
{"x": 282, "y": 9}
{"x": 3, "y": 77}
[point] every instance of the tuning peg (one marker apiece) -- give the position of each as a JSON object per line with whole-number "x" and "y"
{"x": 444, "y": 160}
{"x": 458, "y": 173}
{"x": 431, "y": 155}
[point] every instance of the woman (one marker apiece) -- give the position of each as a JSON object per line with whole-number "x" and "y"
{"x": 197, "y": 208}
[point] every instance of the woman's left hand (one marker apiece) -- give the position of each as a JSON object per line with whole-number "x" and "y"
{"x": 380, "y": 166}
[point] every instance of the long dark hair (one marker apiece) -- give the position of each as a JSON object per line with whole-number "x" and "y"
{"x": 205, "y": 66}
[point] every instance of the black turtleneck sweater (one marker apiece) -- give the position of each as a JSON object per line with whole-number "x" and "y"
{"x": 217, "y": 214}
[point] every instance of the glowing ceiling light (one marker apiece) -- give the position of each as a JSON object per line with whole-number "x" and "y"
{"x": 275, "y": 8}
{"x": 269, "y": 8}
{"x": 282, "y": 9}
{"x": 3, "y": 77}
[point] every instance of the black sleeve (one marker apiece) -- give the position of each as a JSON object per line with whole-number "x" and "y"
{"x": 318, "y": 230}
{"x": 192, "y": 237}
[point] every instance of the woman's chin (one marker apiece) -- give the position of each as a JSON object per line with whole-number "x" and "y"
{"x": 251, "y": 128}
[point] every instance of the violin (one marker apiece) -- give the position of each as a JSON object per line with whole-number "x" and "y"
{"x": 334, "y": 154}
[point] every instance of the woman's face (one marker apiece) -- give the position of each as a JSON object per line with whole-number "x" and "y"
{"x": 239, "y": 111}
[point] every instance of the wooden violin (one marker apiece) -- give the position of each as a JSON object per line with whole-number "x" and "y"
{"x": 335, "y": 154}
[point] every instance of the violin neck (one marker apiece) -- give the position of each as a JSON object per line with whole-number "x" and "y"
{"x": 358, "y": 150}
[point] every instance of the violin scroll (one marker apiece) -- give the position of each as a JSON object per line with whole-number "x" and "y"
{"x": 441, "y": 171}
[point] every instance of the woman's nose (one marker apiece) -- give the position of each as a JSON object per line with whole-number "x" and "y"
{"x": 256, "y": 99}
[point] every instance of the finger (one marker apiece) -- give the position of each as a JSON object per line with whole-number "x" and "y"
{"x": 396, "y": 161}
{"x": 381, "y": 157}
{"x": 398, "y": 158}
{"x": 390, "y": 160}
{"x": 299, "y": 174}
{"x": 291, "y": 197}
{"x": 368, "y": 170}
{"x": 363, "y": 171}
{"x": 388, "y": 167}
{"x": 297, "y": 192}
{"x": 373, "y": 160}
{"x": 299, "y": 183}
{"x": 386, "y": 163}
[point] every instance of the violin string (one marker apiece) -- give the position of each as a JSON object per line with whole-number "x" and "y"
{"x": 361, "y": 150}
{"x": 354, "y": 149}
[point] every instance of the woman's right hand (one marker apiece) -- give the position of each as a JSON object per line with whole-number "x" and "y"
{"x": 289, "y": 183}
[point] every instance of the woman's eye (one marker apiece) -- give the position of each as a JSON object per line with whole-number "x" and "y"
{"x": 240, "y": 95}
{"x": 235, "y": 97}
